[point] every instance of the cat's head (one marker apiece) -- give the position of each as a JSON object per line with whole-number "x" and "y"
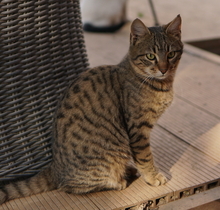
{"x": 155, "y": 52}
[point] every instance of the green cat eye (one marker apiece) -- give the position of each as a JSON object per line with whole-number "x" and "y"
{"x": 171, "y": 54}
{"x": 151, "y": 56}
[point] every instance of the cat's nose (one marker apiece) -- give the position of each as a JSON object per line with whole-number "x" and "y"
{"x": 163, "y": 71}
{"x": 163, "y": 67}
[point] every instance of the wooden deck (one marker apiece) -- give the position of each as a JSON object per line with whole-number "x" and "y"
{"x": 186, "y": 141}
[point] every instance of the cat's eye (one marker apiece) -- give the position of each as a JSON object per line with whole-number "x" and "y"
{"x": 150, "y": 56}
{"x": 171, "y": 54}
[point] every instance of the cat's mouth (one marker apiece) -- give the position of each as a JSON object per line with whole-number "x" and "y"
{"x": 156, "y": 74}
{"x": 162, "y": 76}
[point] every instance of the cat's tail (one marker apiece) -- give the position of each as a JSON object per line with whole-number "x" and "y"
{"x": 43, "y": 181}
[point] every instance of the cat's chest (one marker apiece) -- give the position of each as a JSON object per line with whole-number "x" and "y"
{"x": 158, "y": 101}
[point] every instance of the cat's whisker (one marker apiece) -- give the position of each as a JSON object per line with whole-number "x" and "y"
{"x": 147, "y": 78}
{"x": 141, "y": 85}
{"x": 151, "y": 80}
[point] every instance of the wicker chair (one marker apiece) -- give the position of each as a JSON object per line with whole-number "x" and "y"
{"x": 41, "y": 49}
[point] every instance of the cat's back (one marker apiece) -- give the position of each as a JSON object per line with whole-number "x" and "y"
{"x": 91, "y": 103}
{"x": 89, "y": 122}
{"x": 94, "y": 81}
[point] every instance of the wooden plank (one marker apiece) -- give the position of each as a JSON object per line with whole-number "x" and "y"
{"x": 37, "y": 202}
{"x": 89, "y": 203}
{"x": 197, "y": 81}
{"x": 21, "y": 206}
{"x": 116, "y": 199}
{"x": 125, "y": 195}
{"x": 209, "y": 142}
{"x": 97, "y": 200}
{"x": 202, "y": 163}
{"x": 59, "y": 196}
{"x": 78, "y": 201}
{"x": 183, "y": 163}
{"x": 70, "y": 201}
{"x": 186, "y": 176}
{"x": 121, "y": 196}
{"x": 4, "y": 207}
{"x": 30, "y": 202}
{"x": 109, "y": 201}
{"x": 153, "y": 192}
{"x": 132, "y": 192}
{"x": 181, "y": 177}
{"x": 190, "y": 124}
{"x": 169, "y": 159}
{"x": 202, "y": 168}
{"x": 12, "y": 205}
{"x": 46, "y": 202}
{"x": 183, "y": 154}
{"x": 195, "y": 200}
{"x": 136, "y": 189}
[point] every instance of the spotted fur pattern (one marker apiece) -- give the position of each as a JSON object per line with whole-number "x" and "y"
{"x": 105, "y": 118}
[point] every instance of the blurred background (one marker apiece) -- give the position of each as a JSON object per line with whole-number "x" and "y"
{"x": 201, "y": 18}
{"x": 200, "y": 24}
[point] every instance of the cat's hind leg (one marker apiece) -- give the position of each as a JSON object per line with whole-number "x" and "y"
{"x": 120, "y": 181}
{"x": 116, "y": 185}
{"x": 115, "y": 179}
{"x": 107, "y": 184}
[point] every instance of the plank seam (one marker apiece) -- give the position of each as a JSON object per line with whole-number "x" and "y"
{"x": 197, "y": 106}
{"x": 194, "y": 147}
{"x": 201, "y": 56}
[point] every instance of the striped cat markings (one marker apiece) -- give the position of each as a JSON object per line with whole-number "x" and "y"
{"x": 105, "y": 118}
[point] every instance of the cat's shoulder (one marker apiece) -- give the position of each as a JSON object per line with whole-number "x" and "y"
{"x": 99, "y": 71}
{"x": 102, "y": 69}
{"x": 95, "y": 76}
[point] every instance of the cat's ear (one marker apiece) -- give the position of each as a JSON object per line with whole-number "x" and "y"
{"x": 138, "y": 29}
{"x": 174, "y": 27}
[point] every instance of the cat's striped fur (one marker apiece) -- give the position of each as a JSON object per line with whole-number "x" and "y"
{"x": 105, "y": 118}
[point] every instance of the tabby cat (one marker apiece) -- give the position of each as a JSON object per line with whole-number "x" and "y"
{"x": 105, "y": 118}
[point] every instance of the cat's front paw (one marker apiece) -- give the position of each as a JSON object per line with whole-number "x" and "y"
{"x": 156, "y": 180}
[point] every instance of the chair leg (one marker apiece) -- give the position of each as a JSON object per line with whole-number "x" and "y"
{"x": 156, "y": 23}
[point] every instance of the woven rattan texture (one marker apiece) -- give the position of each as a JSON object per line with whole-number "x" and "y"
{"x": 41, "y": 49}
